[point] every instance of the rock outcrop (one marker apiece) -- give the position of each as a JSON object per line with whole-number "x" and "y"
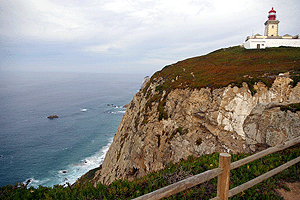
{"x": 267, "y": 125}
{"x": 145, "y": 80}
{"x": 161, "y": 127}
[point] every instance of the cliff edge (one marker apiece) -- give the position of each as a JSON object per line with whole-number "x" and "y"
{"x": 231, "y": 100}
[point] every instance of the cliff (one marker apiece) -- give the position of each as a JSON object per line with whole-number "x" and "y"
{"x": 231, "y": 100}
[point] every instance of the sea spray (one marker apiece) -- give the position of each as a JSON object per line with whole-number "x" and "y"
{"x": 72, "y": 172}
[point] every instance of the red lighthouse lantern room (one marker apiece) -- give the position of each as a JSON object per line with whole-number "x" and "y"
{"x": 272, "y": 14}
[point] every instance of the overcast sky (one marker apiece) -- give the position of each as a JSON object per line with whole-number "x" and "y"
{"x": 128, "y": 35}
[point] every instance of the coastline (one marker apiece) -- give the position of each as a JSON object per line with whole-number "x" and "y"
{"x": 71, "y": 173}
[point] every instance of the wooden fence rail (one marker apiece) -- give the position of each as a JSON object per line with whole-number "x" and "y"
{"x": 223, "y": 173}
{"x": 182, "y": 185}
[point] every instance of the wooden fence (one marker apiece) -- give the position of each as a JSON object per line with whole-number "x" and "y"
{"x": 223, "y": 173}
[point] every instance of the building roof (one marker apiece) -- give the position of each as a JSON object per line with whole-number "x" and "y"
{"x": 272, "y": 11}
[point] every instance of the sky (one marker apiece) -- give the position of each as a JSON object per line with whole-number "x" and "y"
{"x": 128, "y": 36}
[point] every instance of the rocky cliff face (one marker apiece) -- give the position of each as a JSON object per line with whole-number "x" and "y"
{"x": 161, "y": 127}
{"x": 269, "y": 125}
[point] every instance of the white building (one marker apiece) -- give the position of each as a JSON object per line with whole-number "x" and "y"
{"x": 271, "y": 37}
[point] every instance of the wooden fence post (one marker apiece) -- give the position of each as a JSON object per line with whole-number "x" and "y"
{"x": 223, "y": 179}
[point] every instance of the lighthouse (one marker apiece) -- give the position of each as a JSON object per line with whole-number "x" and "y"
{"x": 271, "y": 25}
{"x": 271, "y": 37}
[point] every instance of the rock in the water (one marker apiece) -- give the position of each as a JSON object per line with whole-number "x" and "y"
{"x": 52, "y": 116}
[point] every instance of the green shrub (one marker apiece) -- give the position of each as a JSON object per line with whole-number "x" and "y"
{"x": 199, "y": 141}
{"x": 160, "y": 108}
{"x": 123, "y": 189}
{"x": 292, "y": 107}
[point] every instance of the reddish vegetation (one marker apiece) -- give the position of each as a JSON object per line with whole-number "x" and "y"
{"x": 230, "y": 65}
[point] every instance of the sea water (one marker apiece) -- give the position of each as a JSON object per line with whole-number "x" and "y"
{"x": 55, "y": 151}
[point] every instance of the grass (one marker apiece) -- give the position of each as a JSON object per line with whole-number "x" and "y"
{"x": 123, "y": 189}
{"x": 230, "y": 66}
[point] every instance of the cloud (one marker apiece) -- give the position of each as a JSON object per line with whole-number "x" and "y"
{"x": 99, "y": 48}
{"x": 54, "y": 20}
{"x": 126, "y": 33}
{"x": 42, "y": 19}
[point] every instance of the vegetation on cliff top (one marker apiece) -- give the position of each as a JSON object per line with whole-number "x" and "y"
{"x": 222, "y": 67}
{"x": 230, "y": 65}
{"x": 123, "y": 189}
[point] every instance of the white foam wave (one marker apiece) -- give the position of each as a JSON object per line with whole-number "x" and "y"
{"x": 72, "y": 172}
{"x": 33, "y": 182}
{"x": 117, "y": 112}
{"x": 84, "y": 110}
{"x": 56, "y": 150}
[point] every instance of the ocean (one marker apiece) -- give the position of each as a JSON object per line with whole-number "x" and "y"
{"x": 55, "y": 151}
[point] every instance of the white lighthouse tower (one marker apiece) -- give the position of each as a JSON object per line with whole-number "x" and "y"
{"x": 271, "y": 37}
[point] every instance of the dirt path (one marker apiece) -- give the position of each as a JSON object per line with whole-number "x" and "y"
{"x": 293, "y": 194}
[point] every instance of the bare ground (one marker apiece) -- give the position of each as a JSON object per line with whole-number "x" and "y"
{"x": 293, "y": 194}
